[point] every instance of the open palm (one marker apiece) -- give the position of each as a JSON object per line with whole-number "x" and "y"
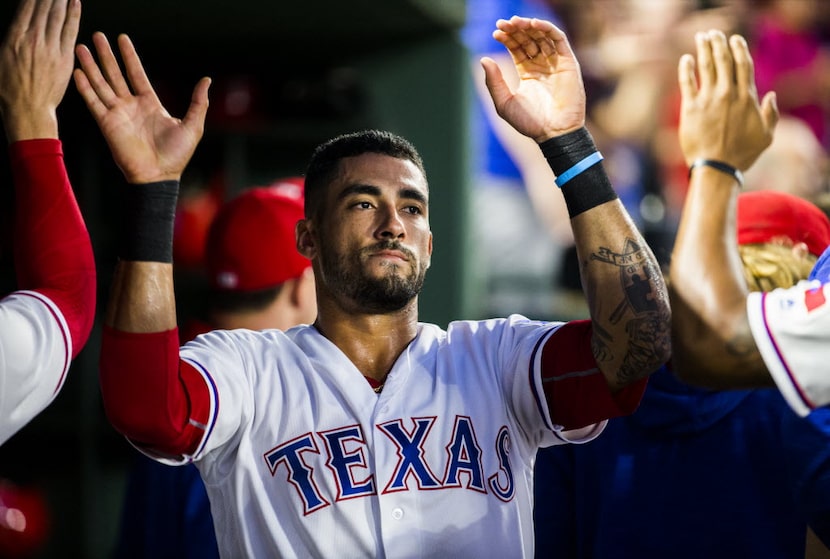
{"x": 147, "y": 143}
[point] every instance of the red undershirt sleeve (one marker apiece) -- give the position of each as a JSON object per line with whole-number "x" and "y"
{"x": 150, "y": 396}
{"x": 53, "y": 253}
{"x": 577, "y": 392}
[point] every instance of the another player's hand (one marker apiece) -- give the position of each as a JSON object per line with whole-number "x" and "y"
{"x": 36, "y": 61}
{"x": 550, "y": 97}
{"x": 146, "y": 142}
{"x": 720, "y": 117}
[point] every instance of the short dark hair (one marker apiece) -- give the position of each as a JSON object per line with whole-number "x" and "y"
{"x": 324, "y": 161}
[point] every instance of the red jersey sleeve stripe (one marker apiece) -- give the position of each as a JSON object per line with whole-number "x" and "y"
{"x": 576, "y": 391}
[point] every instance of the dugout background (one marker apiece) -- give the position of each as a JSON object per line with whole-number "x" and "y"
{"x": 309, "y": 70}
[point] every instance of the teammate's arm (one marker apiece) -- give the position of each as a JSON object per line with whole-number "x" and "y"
{"x": 626, "y": 295}
{"x": 140, "y": 367}
{"x": 53, "y": 253}
{"x": 721, "y": 120}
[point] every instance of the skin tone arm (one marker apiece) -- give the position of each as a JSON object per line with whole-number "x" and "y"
{"x": 721, "y": 119}
{"x": 631, "y": 338}
{"x": 148, "y": 145}
{"x": 36, "y": 64}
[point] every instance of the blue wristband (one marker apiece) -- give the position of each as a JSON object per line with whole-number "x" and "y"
{"x": 592, "y": 159}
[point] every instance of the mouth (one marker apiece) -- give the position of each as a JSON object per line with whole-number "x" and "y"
{"x": 391, "y": 255}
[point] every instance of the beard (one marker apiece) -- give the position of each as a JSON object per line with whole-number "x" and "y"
{"x": 346, "y": 276}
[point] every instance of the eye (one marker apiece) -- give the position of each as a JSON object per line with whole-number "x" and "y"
{"x": 414, "y": 210}
{"x": 363, "y": 205}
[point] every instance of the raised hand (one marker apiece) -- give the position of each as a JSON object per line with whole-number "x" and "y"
{"x": 36, "y": 61}
{"x": 720, "y": 117}
{"x": 147, "y": 143}
{"x": 550, "y": 97}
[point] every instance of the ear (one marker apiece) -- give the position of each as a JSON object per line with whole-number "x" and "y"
{"x": 801, "y": 250}
{"x": 305, "y": 238}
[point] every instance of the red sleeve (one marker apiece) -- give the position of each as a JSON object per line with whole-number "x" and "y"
{"x": 53, "y": 253}
{"x": 150, "y": 396}
{"x": 576, "y": 390}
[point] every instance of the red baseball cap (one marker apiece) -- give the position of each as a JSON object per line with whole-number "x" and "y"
{"x": 766, "y": 215}
{"x": 251, "y": 243}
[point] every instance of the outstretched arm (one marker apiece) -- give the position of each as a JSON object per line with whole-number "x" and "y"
{"x": 151, "y": 148}
{"x": 721, "y": 120}
{"x": 139, "y": 350}
{"x": 55, "y": 309}
{"x": 621, "y": 278}
{"x": 53, "y": 253}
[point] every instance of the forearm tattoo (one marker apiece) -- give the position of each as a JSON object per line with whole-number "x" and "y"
{"x": 643, "y": 309}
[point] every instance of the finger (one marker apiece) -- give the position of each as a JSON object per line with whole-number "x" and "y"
{"x": 88, "y": 94}
{"x": 196, "y": 113}
{"x": 55, "y": 19}
{"x": 495, "y": 82}
{"x": 40, "y": 16}
{"x": 69, "y": 33}
{"x": 135, "y": 70}
{"x": 556, "y": 36}
{"x": 769, "y": 110}
{"x": 722, "y": 56}
{"x": 686, "y": 78}
{"x": 705, "y": 66}
{"x": 744, "y": 67}
{"x": 543, "y": 43}
{"x": 22, "y": 20}
{"x": 94, "y": 77}
{"x": 520, "y": 44}
{"x": 516, "y": 51}
{"x": 109, "y": 65}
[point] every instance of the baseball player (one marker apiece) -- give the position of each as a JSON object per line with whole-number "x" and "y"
{"x": 45, "y": 324}
{"x": 369, "y": 433}
{"x": 720, "y": 453}
{"x": 166, "y": 510}
{"x": 740, "y": 339}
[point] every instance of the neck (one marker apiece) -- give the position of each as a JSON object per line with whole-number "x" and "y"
{"x": 373, "y": 342}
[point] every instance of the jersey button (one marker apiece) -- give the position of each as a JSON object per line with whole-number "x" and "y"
{"x": 397, "y": 514}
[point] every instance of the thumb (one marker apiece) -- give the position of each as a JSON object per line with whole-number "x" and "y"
{"x": 196, "y": 113}
{"x": 496, "y": 84}
{"x": 769, "y": 110}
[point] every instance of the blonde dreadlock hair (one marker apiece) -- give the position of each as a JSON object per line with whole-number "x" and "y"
{"x": 771, "y": 265}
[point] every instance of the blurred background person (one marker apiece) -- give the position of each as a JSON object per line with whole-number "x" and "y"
{"x": 257, "y": 280}
{"x": 792, "y": 58}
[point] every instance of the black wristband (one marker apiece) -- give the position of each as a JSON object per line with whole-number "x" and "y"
{"x": 149, "y": 216}
{"x": 591, "y": 187}
{"x": 720, "y": 166}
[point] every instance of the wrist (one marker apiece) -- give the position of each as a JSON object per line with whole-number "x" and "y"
{"x": 149, "y": 217}
{"x": 576, "y": 162}
{"x": 45, "y": 125}
{"x": 719, "y": 166}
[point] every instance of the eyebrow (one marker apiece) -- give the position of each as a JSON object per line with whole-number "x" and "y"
{"x": 406, "y": 193}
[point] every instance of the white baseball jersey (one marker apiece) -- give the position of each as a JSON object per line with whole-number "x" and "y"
{"x": 301, "y": 458}
{"x": 791, "y": 328}
{"x": 35, "y": 353}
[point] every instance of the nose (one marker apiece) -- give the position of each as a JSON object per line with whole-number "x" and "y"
{"x": 391, "y": 225}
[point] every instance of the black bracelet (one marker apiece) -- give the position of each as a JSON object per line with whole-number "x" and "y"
{"x": 149, "y": 216}
{"x": 590, "y": 187}
{"x": 720, "y": 166}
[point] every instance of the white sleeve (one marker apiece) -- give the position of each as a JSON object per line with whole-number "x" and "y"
{"x": 791, "y": 328}
{"x": 35, "y": 353}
